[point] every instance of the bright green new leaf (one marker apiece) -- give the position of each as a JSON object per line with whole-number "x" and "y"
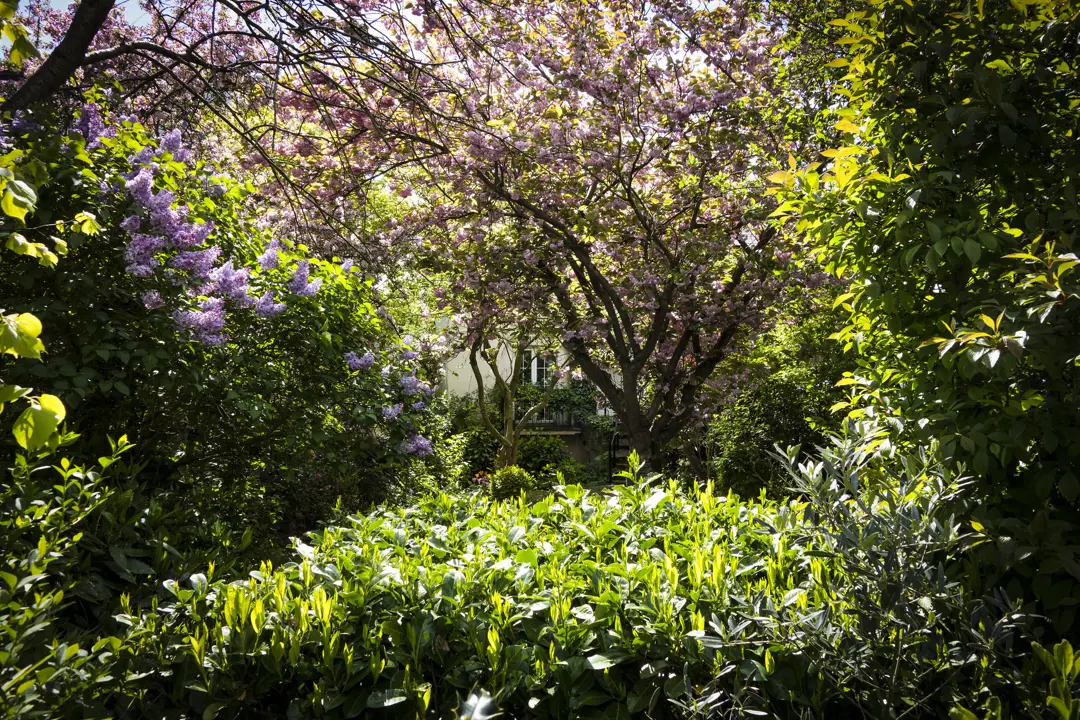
{"x": 37, "y": 423}
{"x": 19, "y": 336}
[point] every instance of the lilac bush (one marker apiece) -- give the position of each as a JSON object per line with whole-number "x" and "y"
{"x": 170, "y": 244}
{"x": 206, "y": 278}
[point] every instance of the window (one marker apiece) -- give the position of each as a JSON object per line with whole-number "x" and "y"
{"x": 536, "y": 369}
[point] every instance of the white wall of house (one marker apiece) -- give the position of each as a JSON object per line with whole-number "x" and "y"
{"x": 459, "y": 380}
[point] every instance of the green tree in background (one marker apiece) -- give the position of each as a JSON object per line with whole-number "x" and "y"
{"x": 949, "y": 201}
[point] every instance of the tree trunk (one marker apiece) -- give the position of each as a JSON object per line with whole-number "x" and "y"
{"x": 65, "y": 59}
{"x": 507, "y": 454}
{"x": 647, "y": 449}
{"x": 698, "y": 465}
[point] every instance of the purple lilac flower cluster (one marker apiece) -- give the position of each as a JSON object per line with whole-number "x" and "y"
{"x": 171, "y": 141}
{"x": 152, "y": 300}
{"x": 269, "y": 259}
{"x": 170, "y": 229}
{"x": 159, "y": 227}
{"x": 417, "y": 445}
{"x": 22, "y": 124}
{"x": 362, "y": 362}
{"x": 207, "y": 323}
{"x": 92, "y": 126}
{"x": 299, "y": 284}
{"x": 412, "y": 385}
{"x": 233, "y": 284}
{"x": 265, "y": 307}
{"x": 199, "y": 263}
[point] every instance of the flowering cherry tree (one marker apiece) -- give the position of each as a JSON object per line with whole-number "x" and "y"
{"x": 609, "y": 157}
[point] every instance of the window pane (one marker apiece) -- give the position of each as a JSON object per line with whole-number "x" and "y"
{"x": 526, "y": 368}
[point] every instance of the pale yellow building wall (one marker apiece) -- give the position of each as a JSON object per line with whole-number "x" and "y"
{"x": 459, "y": 380}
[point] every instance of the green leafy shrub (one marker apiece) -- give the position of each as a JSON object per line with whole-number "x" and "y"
{"x": 480, "y": 450}
{"x": 648, "y": 599}
{"x": 948, "y": 200}
{"x": 578, "y": 399}
{"x": 43, "y": 667}
{"x": 265, "y": 415}
{"x": 84, "y": 549}
{"x": 777, "y": 390}
{"x": 537, "y": 452}
{"x": 451, "y": 453}
{"x": 590, "y": 474}
{"x": 742, "y": 437}
{"x": 1064, "y": 669}
{"x": 510, "y": 481}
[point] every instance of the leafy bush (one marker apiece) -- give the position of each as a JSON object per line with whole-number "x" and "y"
{"x": 236, "y": 377}
{"x": 948, "y": 199}
{"x": 777, "y": 390}
{"x": 649, "y": 599}
{"x": 578, "y": 398}
{"x": 83, "y": 549}
{"x": 537, "y": 452}
{"x": 1064, "y": 668}
{"x": 776, "y": 411}
{"x": 42, "y": 666}
{"x": 480, "y": 450}
{"x": 510, "y": 481}
{"x": 451, "y": 454}
{"x": 591, "y": 474}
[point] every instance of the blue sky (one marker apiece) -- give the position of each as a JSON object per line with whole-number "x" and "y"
{"x": 134, "y": 13}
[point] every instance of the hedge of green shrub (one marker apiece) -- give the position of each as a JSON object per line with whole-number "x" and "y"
{"x": 480, "y": 449}
{"x": 509, "y": 482}
{"x": 84, "y": 549}
{"x": 647, "y": 600}
{"x": 536, "y": 452}
{"x": 742, "y": 437}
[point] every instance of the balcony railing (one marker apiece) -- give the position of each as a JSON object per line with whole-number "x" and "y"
{"x": 549, "y": 418}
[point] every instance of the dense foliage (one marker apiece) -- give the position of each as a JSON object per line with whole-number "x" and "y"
{"x": 648, "y": 599}
{"x": 256, "y": 385}
{"x": 950, "y": 202}
{"x": 779, "y": 392}
{"x": 816, "y": 255}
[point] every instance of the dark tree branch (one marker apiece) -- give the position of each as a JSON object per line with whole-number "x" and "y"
{"x": 65, "y": 59}
{"x": 130, "y": 47}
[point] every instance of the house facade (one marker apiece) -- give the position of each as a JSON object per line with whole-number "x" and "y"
{"x": 537, "y": 368}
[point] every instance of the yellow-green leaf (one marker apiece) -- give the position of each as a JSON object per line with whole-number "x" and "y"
{"x": 848, "y": 127}
{"x": 10, "y": 205}
{"x": 781, "y": 177}
{"x": 37, "y": 423}
{"x": 844, "y": 151}
{"x": 19, "y": 336}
